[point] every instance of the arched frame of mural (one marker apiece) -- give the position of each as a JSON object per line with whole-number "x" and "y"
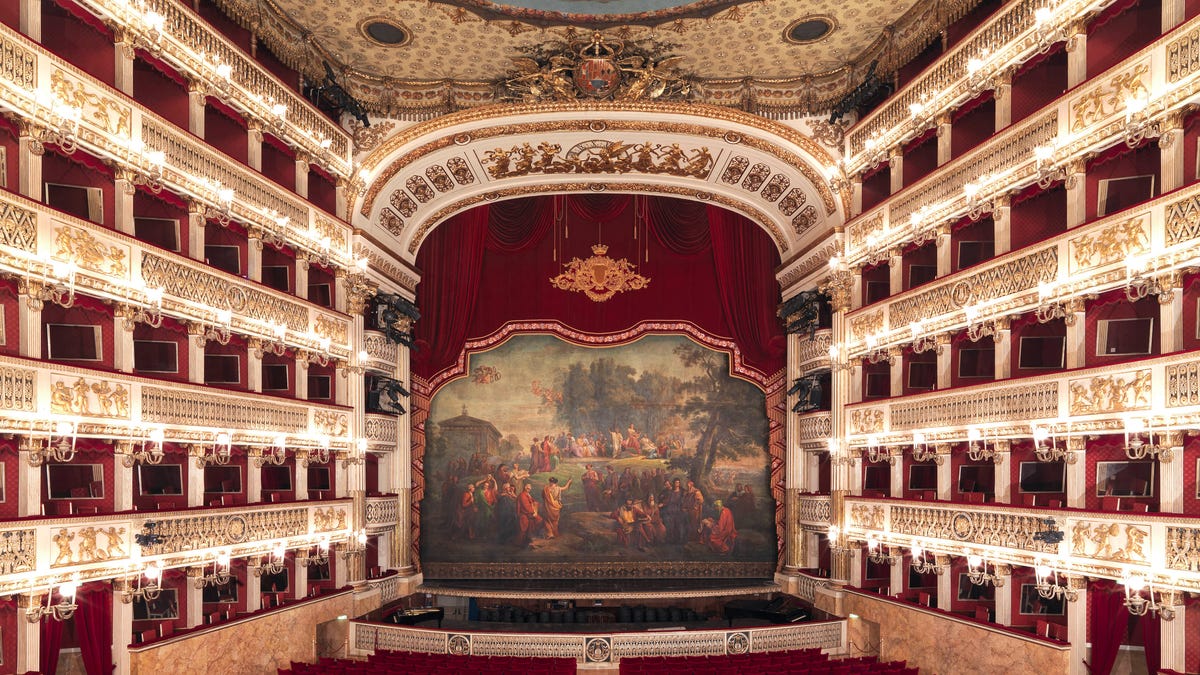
{"x": 771, "y": 384}
{"x": 424, "y": 174}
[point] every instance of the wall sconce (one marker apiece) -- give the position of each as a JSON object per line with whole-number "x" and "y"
{"x": 837, "y": 455}
{"x": 978, "y": 328}
{"x": 1138, "y": 284}
{"x": 921, "y": 451}
{"x": 874, "y": 152}
{"x": 61, "y": 127}
{"x": 222, "y": 452}
{"x": 921, "y": 232}
{"x": 357, "y": 455}
{"x": 1048, "y": 172}
{"x": 63, "y": 610}
{"x": 1139, "y": 605}
{"x": 876, "y": 353}
{"x": 877, "y": 454}
{"x": 836, "y": 176}
{"x": 306, "y": 557}
{"x": 977, "y": 572}
{"x": 977, "y": 446}
{"x": 1050, "y": 452}
{"x": 223, "y": 211}
{"x": 1138, "y": 125}
{"x": 921, "y": 342}
{"x": 220, "y": 573}
{"x": 978, "y": 80}
{"x": 922, "y": 565}
{"x": 1045, "y": 32}
{"x": 57, "y": 287}
{"x": 317, "y": 455}
{"x": 1048, "y": 586}
{"x": 1049, "y": 308}
{"x": 274, "y": 564}
{"x": 880, "y": 554}
{"x": 276, "y": 456}
{"x": 836, "y": 364}
{"x": 59, "y": 446}
{"x": 218, "y": 332}
{"x": 136, "y": 589}
{"x": 1136, "y": 448}
{"x": 839, "y": 544}
{"x": 977, "y": 207}
{"x": 354, "y": 546}
{"x": 153, "y": 455}
{"x": 357, "y": 368}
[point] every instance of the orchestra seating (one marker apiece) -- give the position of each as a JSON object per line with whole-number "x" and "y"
{"x": 392, "y": 663}
{"x": 796, "y": 662}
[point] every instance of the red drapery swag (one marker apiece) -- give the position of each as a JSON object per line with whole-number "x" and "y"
{"x": 93, "y": 622}
{"x": 452, "y": 257}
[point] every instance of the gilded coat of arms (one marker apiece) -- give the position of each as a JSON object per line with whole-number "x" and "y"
{"x": 599, "y": 69}
{"x": 600, "y": 277}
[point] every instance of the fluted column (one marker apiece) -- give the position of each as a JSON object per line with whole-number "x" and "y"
{"x": 195, "y": 480}
{"x": 122, "y": 631}
{"x": 1002, "y": 356}
{"x": 29, "y": 635}
{"x": 945, "y": 472}
{"x": 1077, "y": 482}
{"x": 29, "y": 481}
{"x": 197, "y": 95}
{"x": 123, "y": 201}
{"x": 123, "y": 325}
{"x": 254, "y": 143}
{"x": 1171, "y": 312}
{"x": 195, "y": 352}
{"x": 793, "y": 466}
{"x": 254, "y": 253}
{"x": 1076, "y": 343}
{"x": 1002, "y": 225}
{"x": 31, "y": 26}
{"x": 29, "y": 158}
{"x": 1077, "y": 621}
{"x": 1173, "y": 635}
{"x": 123, "y": 56}
{"x": 944, "y": 138}
{"x": 1003, "y": 471}
{"x": 1004, "y": 596}
{"x": 1171, "y": 468}
{"x": 123, "y": 476}
{"x": 1002, "y": 96}
{"x": 29, "y": 318}
{"x": 896, "y": 162}
{"x": 946, "y": 581}
{"x": 302, "y": 160}
{"x": 944, "y": 361}
{"x": 1171, "y": 150}
{"x": 196, "y": 235}
{"x": 1076, "y": 54}
{"x": 195, "y": 597}
{"x": 302, "y": 263}
{"x": 1076, "y": 187}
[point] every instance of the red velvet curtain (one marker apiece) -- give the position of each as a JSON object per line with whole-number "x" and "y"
{"x": 1152, "y": 641}
{"x": 739, "y": 251}
{"x": 1109, "y": 620}
{"x": 518, "y": 224}
{"x": 448, "y": 299}
{"x": 51, "y": 642}
{"x": 681, "y": 226}
{"x": 93, "y": 622}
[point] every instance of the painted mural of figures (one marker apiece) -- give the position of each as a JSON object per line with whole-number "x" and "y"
{"x": 627, "y": 532}
{"x": 486, "y": 495}
{"x": 656, "y": 531}
{"x": 720, "y": 534}
{"x": 552, "y": 501}
{"x": 592, "y": 491}
{"x": 528, "y": 520}
{"x": 465, "y": 515}
{"x": 673, "y": 515}
{"x": 693, "y": 508}
{"x": 451, "y": 493}
{"x": 507, "y": 524}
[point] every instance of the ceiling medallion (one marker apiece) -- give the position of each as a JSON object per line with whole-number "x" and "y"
{"x": 600, "y": 70}
{"x": 599, "y": 277}
{"x": 809, "y": 29}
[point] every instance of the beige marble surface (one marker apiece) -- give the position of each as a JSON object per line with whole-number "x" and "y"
{"x": 941, "y": 646}
{"x": 261, "y": 645}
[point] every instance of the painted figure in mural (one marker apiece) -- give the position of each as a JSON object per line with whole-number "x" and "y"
{"x": 486, "y": 495}
{"x": 465, "y": 515}
{"x": 507, "y": 525}
{"x": 656, "y": 531}
{"x": 450, "y": 496}
{"x": 552, "y": 501}
{"x": 720, "y": 535}
{"x": 693, "y": 508}
{"x": 591, "y": 489}
{"x": 627, "y": 532}
{"x": 528, "y": 520}
{"x": 673, "y": 515}
{"x": 503, "y": 474}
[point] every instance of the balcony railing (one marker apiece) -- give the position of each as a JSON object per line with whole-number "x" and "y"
{"x": 37, "y": 239}
{"x": 119, "y": 129}
{"x": 198, "y": 51}
{"x": 382, "y": 512}
{"x": 1096, "y": 400}
{"x": 1101, "y": 544}
{"x": 34, "y": 395}
{"x": 1086, "y": 119}
{"x": 42, "y": 552}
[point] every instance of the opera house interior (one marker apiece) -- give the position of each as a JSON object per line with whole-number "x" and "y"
{"x": 625, "y": 336}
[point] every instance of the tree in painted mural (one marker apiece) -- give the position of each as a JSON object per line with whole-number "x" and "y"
{"x": 644, "y": 452}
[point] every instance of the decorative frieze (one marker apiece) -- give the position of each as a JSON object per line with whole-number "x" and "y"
{"x": 215, "y": 530}
{"x": 1110, "y": 393}
{"x": 80, "y": 545}
{"x": 18, "y": 227}
{"x": 1183, "y": 548}
{"x": 382, "y": 512}
{"x": 18, "y": 551}
{"x": 183, "y": 407}
{"x": 215, "y": 290}
{"x": 814, "y": 509}
{"x": 18, "y": 389}
{"x": 72, "y": 395}
{"x": 986, "y": 528}
{"x": 1111, "y": 541}
{"x": 1183, "y": 384}
{"x": 996, "y": 403}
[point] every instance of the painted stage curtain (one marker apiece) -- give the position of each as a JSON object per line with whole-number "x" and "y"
{"x": 1109, "y": 619}
{"x": 447, "y": 299}
{"x": 93, "y": 622}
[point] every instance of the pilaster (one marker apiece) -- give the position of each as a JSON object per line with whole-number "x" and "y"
{"x": 945, "y": 475}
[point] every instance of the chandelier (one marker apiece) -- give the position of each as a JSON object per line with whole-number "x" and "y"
{"x": 219, "y": 576}
{"x": 923, "y": 565}
{"x": 1048, "y": 586}
{"x": 63, "y": 610}
{"x": 1140, "y": 605}
{"x": 977, "y": 572}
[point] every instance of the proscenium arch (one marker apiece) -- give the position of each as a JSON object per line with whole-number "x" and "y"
{"x": 766, "y": 171}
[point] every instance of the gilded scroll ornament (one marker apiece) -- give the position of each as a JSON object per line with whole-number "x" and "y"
{"x": 1110, "y": 393}
{"x": 598, "y": 157}
{"x": 1110, "y": 244}
{"x": 18, "y": 227}
{"x": 78, "y": 246}
{"x": 1183, "y": 548}
{"x": 18, "y": 551}
{"x": 599, "y": 277}
{"x": 1111, "y": 541}
{"x": 1109, "y": 99}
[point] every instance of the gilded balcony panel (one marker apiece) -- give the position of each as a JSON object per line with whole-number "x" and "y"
{"x": 52, "y": 550}
{"x": 18, "y": 65}
{"x": 382, "y": 512}
{"x": 995, "y": 403}
{"x": 815, "y": 428}
{"x": 18, "y": 389}
{"x": 814, "y": 510}
{"x": 382, "y": 430}
{"x": 382, "y": 353}
{"x": 1183, "y": 384}
{"x": 813, "y": 353}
